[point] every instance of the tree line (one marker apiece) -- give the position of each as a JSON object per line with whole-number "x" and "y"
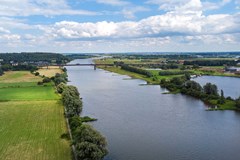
{"x": 88, "y": 142}
{"x": 136, "y": 70}
{"x": 33, "y": 57}
{"x": 211, "y": 62}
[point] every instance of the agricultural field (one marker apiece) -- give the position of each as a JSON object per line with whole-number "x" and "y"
{"x": 18, "y": 76}
{"x": 50, "y": 71}
{"x": 31, "y": 120}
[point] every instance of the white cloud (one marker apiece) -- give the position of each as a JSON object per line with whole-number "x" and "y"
{"x": 188, "y": 5}
{"x": 114, "y": 2}
{"x": 170, "y": 24}
{"x": 3, "y": 30}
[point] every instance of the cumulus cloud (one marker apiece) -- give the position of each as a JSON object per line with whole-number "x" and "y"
{"x": 169, "y": 24}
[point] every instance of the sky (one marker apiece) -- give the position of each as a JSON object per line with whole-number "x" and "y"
{"x": 107, "y": 26}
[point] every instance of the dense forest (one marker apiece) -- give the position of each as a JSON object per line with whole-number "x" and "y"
{"x": 33, "y": 57}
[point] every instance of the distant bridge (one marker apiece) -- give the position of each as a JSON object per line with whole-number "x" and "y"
{"x": 101, "y": 64}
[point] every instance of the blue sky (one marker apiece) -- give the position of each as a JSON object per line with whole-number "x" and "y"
{"x": 107, "y": 26}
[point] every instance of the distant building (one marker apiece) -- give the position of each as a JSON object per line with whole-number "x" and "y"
{"x": 233, "y": 69}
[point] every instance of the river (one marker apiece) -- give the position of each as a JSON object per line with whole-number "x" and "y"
{"x": 141, "y": 123}
{"x": 230, "y": 85}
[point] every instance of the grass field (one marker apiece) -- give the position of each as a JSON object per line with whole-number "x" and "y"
{"x": 28, "y": 93}
{"x": 31, "y": 120}
{"x": 31, "y": 130}
{"x": 50, "y": 71}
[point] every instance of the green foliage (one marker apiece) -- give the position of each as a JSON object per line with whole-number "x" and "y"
{"x": 36, "y": 73}
{"x": 211, "y": 62}
{"x": 89, "y": 151}
{"x": 33, "y": 57}
{"x": 75, "y": 122}
{"x": 166, "y": 73}
{"x": 222, "y": 98}
{"x": 210, "y": 89}
{"x": 71, "y": 101}
{"x": 61, "y": 87}
{"x": 59, "y": 78}
{"x": 237, "y": 102}
{"x": 90, "y": 143}
{"x": 1, "y": 71}
{"x": 46, "y": 80}
{"x": 87, "y": 119}
{"x": 136, "y": 70}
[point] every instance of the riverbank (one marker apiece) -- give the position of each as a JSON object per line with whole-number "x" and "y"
{"x": 228, "y": 105}
{"x": 130, "y": 74}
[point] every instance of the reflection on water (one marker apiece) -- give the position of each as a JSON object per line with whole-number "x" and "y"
{"x": 140, "y": 123}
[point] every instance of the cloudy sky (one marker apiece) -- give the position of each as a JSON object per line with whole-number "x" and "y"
{"x": 119, "y": 25}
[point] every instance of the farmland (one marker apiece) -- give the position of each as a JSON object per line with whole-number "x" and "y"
{"x": 31, "y": 119}
{"x": 50, "y": 71}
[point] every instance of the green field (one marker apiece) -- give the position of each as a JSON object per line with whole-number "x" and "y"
{"x": 28, "y": 93}
{"x": 31, "y": 120}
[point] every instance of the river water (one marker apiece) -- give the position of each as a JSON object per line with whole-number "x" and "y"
{"x": 230, "y": 85}
{"x": 141, "y": 123}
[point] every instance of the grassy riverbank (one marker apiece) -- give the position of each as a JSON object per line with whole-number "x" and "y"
{"x": 31, "y": 119}
{"x": 156, "y": 78}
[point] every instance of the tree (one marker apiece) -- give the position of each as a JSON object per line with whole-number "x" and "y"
{"x": 187, "y": 76}
{"x": 193, "y": 86}
{"x": 46, "y": 80}
{"x": 36, "y": 74}
{"x": 1, "y": 71}
{"x": 90, "y": 143}
{"x": 238, "y": 102}
{"x": 210, "y": 89}
{"x": 222, "y": 98}
{"x": 61, "y": 87}
{"x": 89, "y": 151}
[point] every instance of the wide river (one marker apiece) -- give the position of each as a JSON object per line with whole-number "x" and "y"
{"x": 141, "y": 123}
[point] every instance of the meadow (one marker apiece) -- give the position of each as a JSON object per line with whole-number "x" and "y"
{"x": 31, "y": 120}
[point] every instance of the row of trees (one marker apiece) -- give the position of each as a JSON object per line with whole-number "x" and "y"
{"x": 211, "y": 62}
{"x": 88, "y": 142}
{"x": 136, "y": 70}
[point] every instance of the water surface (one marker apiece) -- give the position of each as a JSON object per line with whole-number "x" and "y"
{"x": 140, "y": 123}
{"x": 230, "y": 85}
